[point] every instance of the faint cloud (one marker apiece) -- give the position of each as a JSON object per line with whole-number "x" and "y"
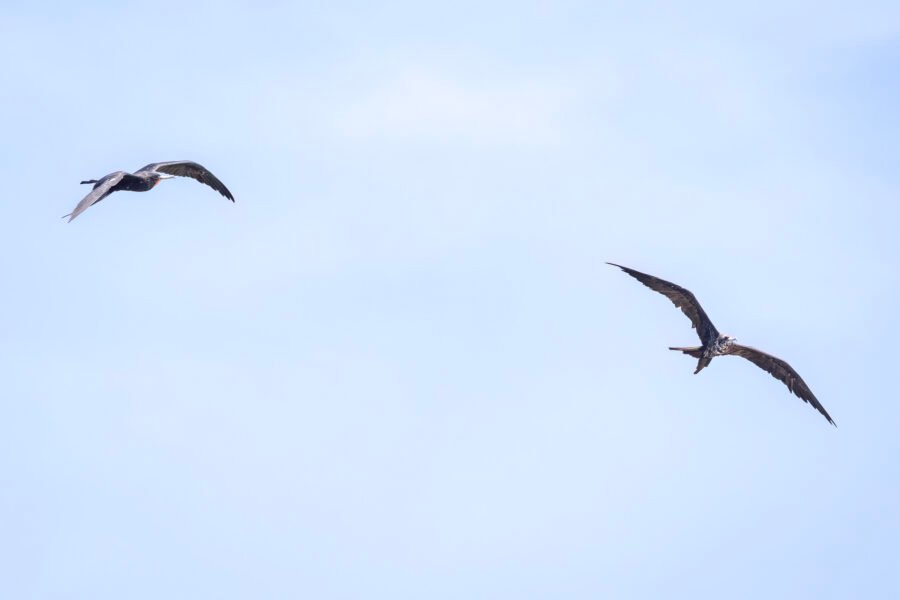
{"x": 423, "y": 105}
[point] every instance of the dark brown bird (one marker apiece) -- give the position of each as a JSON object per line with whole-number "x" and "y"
{"x": 145, "y": 179}
{"x": 718, "y": 344}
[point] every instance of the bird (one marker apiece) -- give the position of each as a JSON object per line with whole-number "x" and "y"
{"x": 719, "y": 344}
{"x": 145, "y": 179}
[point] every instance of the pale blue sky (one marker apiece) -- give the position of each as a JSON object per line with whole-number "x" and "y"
{"x": 397, "y": 367}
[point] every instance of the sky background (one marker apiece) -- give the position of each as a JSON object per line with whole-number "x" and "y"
{"x": 398, "y": 367}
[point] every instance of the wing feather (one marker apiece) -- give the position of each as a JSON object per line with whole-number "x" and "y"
{"x": 187, "y": 168}
{"x": 781, "y": 371}
{"x": 101, "y": 190}
{"x": 682, "y": 299}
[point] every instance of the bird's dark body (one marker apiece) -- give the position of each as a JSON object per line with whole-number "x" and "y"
{"x": 718, "y": 344}
{"x": 128, "y": 182}
{"x": 145, "y": 179}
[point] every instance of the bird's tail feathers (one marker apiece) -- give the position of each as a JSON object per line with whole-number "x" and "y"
{"x": 702, "y": 364}
{"x": 694, "y": 351}
{"x": 89, "y": 181}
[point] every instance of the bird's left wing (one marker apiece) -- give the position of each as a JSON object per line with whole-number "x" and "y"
{"x": 683, "y": 299}
{"x": 100, "y": 191}
{"x": 781, "y": 371}
{"x": 187, "y": 168}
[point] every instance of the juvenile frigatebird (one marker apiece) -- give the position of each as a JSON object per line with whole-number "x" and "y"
{"x": 144, "y": 179}
{"x": 719, "y": 344}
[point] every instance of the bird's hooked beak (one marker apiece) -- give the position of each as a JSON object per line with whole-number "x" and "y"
{"x": 160, "y": 179}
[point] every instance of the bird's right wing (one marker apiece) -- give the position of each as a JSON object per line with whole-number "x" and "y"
{"x": 100, "y": 191}
{"x": 681, "y": 298}
{"x": 783, "y": 372}
{"x": 188, "y": 168}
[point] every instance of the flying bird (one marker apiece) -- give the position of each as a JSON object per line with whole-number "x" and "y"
{"x": 719, "y": 344}
{"x": 145, "y": 179}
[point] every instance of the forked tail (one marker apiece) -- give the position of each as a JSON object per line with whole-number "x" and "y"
{"x": 696, "y": 352}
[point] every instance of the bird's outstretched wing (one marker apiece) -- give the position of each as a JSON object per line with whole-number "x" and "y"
{"x": 187, "y": 168}
{"x": 101, "y": 190}
{"x": 681, "y": 298}
{"x": 782, "y": 371}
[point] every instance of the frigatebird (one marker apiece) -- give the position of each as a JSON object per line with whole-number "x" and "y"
{"x": 145, "y": 179}
{"x": 719, "y": 344}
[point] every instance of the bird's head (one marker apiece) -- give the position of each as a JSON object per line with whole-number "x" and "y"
{"x": 160, "y": 177}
